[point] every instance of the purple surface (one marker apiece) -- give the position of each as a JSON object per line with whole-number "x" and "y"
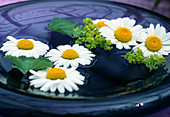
{"x": 6, "y": 2}
{"x": 163, "y": 8}
{"x": 163, "y": 113}
{"x": 23, "y": 20}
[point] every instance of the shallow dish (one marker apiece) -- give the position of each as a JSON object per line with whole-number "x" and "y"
{"x": 99, "y": 96}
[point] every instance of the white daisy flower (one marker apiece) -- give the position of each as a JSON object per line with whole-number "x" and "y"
{"x": 100, "y": 22}
{"x": 61, "y": 79}
{"x": 24, "y": 47}
{"x": 121, "y": 32}
{"x": 154, "y": 41}
{"x": 66, "y": 56}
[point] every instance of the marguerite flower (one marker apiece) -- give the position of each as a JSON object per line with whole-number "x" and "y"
{"x": 24, "y": 47}
{"x": 66, "y": 56}
{"x": 121, "y": 32}
{"x": 52, "y": 79}
{"x": 100, "y": 22}
{"x": 154, "y": 41}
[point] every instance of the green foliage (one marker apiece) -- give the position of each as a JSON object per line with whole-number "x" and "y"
{"x": 152, "y": 62}
{"x": 62, "y": 25}
{"x": 135, "y": 58}
{"x": 157, "y": 2}
{"x": 24, "y": 64}
{"x": 90, "y": 36}
{"x": 77, "y": 31}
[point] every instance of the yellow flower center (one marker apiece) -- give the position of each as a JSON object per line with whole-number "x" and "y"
{"x": 70, "y": 54}
{"x": 153, "y": 43}
{"x": 25, "y": 44}
{"x": 56, "y": 73}
{"x": 123, "y": 34}
{"x": 101, "y": 24}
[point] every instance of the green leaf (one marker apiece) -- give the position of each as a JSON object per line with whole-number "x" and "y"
{"x": 89, "y": 35}
{"x": 62, "y": 25}
{"x": 44, "y": 63}
{"x": 136, "y": 57}
{"x": 151, "y": 62}
{"x": 154, "y": 61}
{"x": 157, "y": 2}
{"x": 24, "y": 64}
{"x": 77, "y": 31}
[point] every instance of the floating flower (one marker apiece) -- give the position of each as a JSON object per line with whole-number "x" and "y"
{"x": 100, "y": 22}
{"x": 66, "y": 56}
{"x": 52, "y": 79}
{"x": 24, "y": 47}
{"x": 121, "y": 32}
{"x": 154, "y": 41}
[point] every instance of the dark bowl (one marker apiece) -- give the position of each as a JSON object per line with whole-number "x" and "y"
{"x": 112, "y": 86}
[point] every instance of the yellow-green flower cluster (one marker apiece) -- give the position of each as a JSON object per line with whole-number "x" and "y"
{"x": 152, "y": 62}
{"x": 89, "y": 35}
{"x": 135, "y": 58}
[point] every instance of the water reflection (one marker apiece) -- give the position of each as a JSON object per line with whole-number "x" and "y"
{"x": 100, "y": 82}
{"x": 16, "y": 81}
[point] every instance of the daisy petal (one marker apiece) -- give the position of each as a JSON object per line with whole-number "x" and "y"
{"x": 67, "y": 86}
{"x": 77, "y": 81}
{"x": 74, "y": 86}
{"x": 160, "y": 36}
{"x": 53, "y": 87}
{"x": 11, "y": 47}
{"x": 38, "y": 83}
{"x": 61, "y": 88}
{"x": 119, "y": 45}
{"x": 46, "y": 86}
{"x": 83, "y": 55}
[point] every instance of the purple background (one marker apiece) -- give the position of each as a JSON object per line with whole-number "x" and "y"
{"x": 163, "y": 8}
